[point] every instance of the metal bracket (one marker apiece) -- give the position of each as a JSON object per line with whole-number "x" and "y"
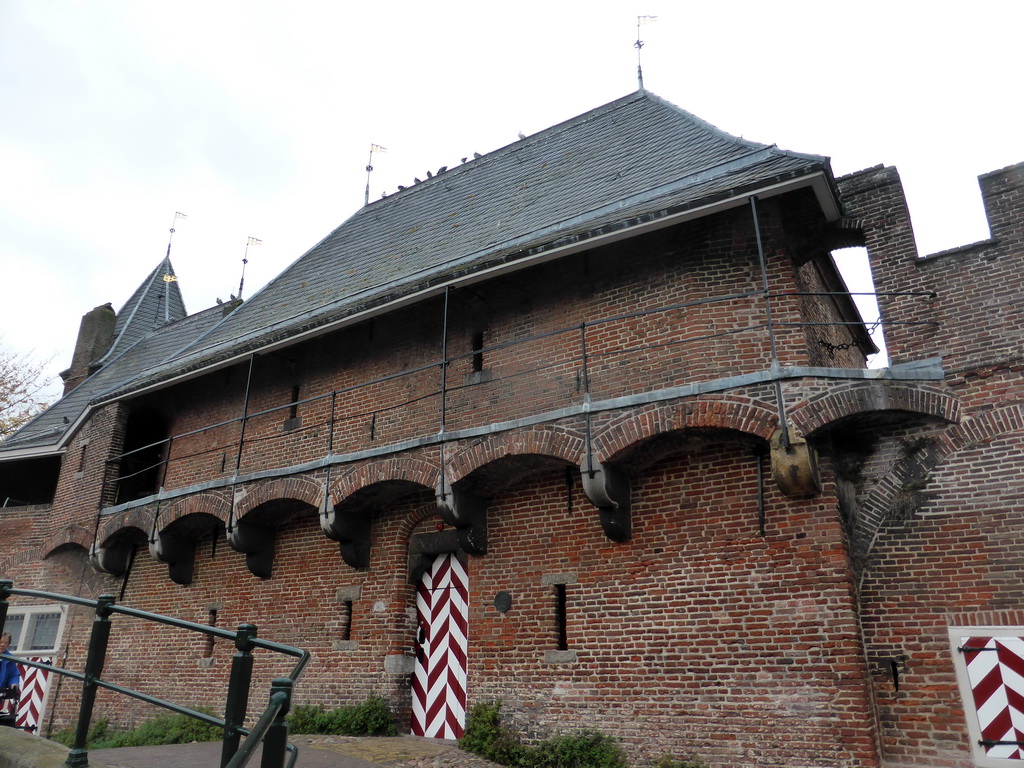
{"x": 609, "y": 490}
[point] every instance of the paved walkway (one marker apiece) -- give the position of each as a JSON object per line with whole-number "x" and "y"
{"x": 314, "y": 752}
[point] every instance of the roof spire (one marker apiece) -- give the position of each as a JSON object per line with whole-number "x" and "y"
{"x": 639, "y": 44}
{"x": 168, "y": 273}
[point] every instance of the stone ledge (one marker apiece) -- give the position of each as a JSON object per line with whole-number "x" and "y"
{"x": 25, "y": 750}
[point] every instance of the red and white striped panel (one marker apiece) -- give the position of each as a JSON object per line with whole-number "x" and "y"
{"x": 996, "y": 675}
{"x": 439, "y": 682}
{"x": 33, "y": 694}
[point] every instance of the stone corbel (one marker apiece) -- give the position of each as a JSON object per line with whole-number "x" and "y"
{"x": 352, "y": 532}
{"x": 257, "y": 543}
{"x": 468, "y": 513}
{"x": 608, "y": 489}
{"x": 179, "y": 553}
{"x": 112, "y": 559}
{"x": 794, "y": 465}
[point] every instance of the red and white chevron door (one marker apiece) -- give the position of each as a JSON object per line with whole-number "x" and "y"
{"x": 33, "y": 694}
{"x": 995, "y": 668}
{"x": 439, "y": 682}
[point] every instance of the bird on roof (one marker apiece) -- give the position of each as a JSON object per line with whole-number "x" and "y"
{"x": 477, "y": 155}
{"x": 522, "y": 135}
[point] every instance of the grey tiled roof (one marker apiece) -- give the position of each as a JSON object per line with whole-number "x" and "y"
{"x": 635, "y": 157}
{"x": 632, "y": 156}
{"x": 156, "y": 302}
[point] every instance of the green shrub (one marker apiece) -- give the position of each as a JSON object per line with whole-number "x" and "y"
{"x": 304, "y": 718}
{"x": 487, "y": 737}
{"x": 371, "y": 718}
{"x": 166, "y": 729}
{"x": 587, "y": 749}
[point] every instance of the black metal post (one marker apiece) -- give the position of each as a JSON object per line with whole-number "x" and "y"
{"x": 276, "y": 741}
{"x": 79, "y": 755}
{"x": 238, "y": 691}
{"x": 5, "y": 590}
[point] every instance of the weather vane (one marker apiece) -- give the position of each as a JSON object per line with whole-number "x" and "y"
{"x": 177, "y": 215}
{"x": 639, "y": 44}
{"x": 369, "y": 169}
{"x": 245, "y": 260}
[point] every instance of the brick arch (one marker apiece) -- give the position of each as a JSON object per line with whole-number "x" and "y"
{"x": 393, "y": 468}
{"x": 557, "y": 441}
{"x": 137, "y": 517}
{"x": 740, "y": 414}
{"x": 303, "y": 489}
{"x": 978, "y": 429}
{"x": 853, "y": 398}
{"x": 21, "y": 557}
{"x": 76, "y": 535}
{"x": 408, "y": 525}
{"x": 198, "y": 504}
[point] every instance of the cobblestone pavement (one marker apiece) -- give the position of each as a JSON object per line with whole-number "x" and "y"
{"x": 314, "y": 752}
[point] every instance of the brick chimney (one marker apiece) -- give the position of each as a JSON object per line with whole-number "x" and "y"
{"x": 94, "y": 337}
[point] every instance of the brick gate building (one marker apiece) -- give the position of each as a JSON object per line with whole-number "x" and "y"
{"x": 582, "y": 425}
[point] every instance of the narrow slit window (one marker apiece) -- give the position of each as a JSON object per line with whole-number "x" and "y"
{"x": 561, "y": 623}
{"x": 346, "y": 620}
{"x": 478, "y": 352}
{"x": 293, "y": 412}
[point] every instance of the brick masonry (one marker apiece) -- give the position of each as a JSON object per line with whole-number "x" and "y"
{"x": 737, "y": 623}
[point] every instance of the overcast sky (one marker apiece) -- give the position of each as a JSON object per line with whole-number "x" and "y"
{"x": 255, "y": 118}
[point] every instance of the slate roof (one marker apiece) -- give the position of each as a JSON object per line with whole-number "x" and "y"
{"x": 156, "y": 302}
{"x": 632, "y": 160}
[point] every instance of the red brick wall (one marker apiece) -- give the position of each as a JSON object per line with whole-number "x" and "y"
{"x": 714, "y": 639}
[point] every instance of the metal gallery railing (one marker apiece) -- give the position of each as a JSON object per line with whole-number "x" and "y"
{"x": 689, "y": 341}
{"x": 271, "y": 728}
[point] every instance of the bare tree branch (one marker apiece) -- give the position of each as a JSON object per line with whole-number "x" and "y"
{"x": 22, "y": 389}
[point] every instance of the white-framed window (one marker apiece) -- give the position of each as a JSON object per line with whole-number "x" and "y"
{"x": 35, "y": 630}
{"x": 989, "y": 663}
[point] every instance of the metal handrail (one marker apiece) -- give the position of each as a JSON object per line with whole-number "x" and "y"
{"x": 271, "y": 727}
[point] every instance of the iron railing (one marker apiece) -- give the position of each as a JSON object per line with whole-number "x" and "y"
{"x": 391, "y": 407}
{"x": 271, "y": 729}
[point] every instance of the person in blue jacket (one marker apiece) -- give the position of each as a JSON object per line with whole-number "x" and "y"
{"x": 10, "y": 679}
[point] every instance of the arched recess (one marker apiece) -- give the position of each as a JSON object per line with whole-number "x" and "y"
{"x": 71, "y": 534}
{"x": 625, "y": 442}
{"x": 179, "y": 526}
{"x": 261, "y": 509}
{"x": 486, "y": 468}
{"x": 614, "y": 436}
{"x": 364, "y": 490}
{"x": 118, "y": 537}
{"x": 175, "y": 544}
{"x": 846, "y": 400}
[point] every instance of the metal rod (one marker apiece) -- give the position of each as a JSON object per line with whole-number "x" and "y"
{"x": 783, "y": 419}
